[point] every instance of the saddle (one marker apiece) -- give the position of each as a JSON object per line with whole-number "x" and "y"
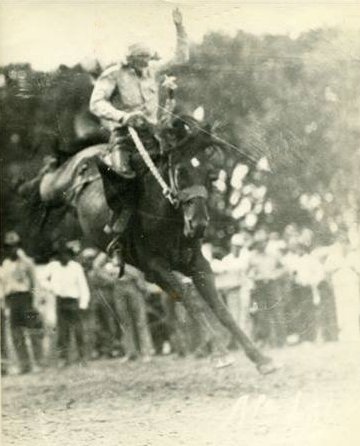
{"x": 63, "y": 184}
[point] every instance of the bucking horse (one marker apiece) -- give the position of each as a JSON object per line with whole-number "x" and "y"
{"x": 164, "y": 234}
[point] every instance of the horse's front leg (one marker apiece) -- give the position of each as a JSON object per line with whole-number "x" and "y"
{"x": 204, "y": 281}
{"x": 173, "y": 286}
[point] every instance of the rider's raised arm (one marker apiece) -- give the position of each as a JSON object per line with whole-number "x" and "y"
{"x": 100, "y": 101}
{"x": 181, "y": 55}
{"x": 182, "y": 42}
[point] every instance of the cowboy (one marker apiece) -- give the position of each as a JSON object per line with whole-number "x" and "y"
{"x": 127, "y": 94}
{"x": 18, "y": 280}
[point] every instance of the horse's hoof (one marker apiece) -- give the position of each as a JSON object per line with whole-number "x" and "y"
{"x": 267, "y": 368}
{"x": 223, "y": 362}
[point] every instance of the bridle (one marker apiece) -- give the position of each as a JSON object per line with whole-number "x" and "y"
{"x": 186, "y": 194}
{"x": 172, "y": 193}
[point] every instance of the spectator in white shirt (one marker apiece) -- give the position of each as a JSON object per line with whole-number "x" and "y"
{"x": 233, "y": 280}
{"x": 324, "y": 297}
{"x": 267, "y": 296}
{"x": 18, "y": 282}
{"x": 68, "y": 282}
{"x": 343, "y": 264}
{"x": 306, "y": 274}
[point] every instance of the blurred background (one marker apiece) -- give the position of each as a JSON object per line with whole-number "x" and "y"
{"x": 290, "y": 104}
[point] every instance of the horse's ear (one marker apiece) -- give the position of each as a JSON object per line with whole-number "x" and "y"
{"x": 199, "y": 114}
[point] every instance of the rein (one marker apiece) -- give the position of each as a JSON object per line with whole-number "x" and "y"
{"x": 171, "y": 192}
{"x": 166, "y": 190}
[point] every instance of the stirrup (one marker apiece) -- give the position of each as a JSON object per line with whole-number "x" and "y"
{"x": 111, "y": 247}
{"x": 112, "y": 250}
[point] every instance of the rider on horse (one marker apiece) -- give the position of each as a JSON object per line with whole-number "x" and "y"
{"x": 129, "y": 91}
{"x": 127, "y": 95}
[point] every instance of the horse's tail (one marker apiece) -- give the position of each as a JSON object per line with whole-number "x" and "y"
{"x": 30, "y": 191}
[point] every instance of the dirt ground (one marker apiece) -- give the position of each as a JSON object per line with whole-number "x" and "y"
{"x": 314, "y": 399}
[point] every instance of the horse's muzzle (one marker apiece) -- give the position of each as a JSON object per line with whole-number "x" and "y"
{"x": 196, "y": 216}
{"x": 195, "y": 228}
{"x": 199, "y": 231}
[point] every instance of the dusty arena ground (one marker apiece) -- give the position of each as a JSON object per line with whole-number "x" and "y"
{"x": 313, "y": 400}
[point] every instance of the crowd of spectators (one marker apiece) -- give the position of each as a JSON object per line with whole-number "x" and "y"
{"x": 282, "y": 289}
{"x": 72, "y": 308}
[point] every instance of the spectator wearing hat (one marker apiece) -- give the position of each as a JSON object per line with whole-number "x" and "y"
{"x": 18, "y": 282}
{"x": 68, "y": 282}
{"x": 103, "y": 321}
{"x": 267, "y": 298}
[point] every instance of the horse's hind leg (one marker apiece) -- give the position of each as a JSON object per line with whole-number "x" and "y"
{"x": 203, "y": 278}
{"x": 172, "y": 285}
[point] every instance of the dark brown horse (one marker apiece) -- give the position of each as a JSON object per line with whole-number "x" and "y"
{"x": 163, "y": 238}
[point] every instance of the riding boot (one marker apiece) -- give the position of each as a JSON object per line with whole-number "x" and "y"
{"x": 120, "y": 160}
{"x": 118, "y": 226}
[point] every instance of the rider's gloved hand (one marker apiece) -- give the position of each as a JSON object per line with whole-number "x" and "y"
{"x": 169, "y": 83}
{"x": 134, "y": 119}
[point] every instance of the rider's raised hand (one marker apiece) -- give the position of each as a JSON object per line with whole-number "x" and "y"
{"x": 169, "y": 83}
{"x": 177, "y": 17}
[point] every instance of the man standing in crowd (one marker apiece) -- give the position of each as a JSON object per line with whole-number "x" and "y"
{"x": 267, "y": 297}
{"x": 304, "y": 274}
{"x": 68, "y": 282}
{"x": 46, "y": 305}
{"x": 104, "y": 322}
{"x": 343, "y": 264}
{"x": 130, "y": 290}
{"x": 324, "y": 296}
{"x": 233, "y": 280}
{"x": 3, "y": 327}
{"x": 18, "y": 282}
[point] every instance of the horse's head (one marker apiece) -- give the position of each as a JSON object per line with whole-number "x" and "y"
{"x": 194, "y": 164}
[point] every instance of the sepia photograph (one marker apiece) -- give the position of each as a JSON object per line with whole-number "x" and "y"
{"x": 180, "y": 222}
